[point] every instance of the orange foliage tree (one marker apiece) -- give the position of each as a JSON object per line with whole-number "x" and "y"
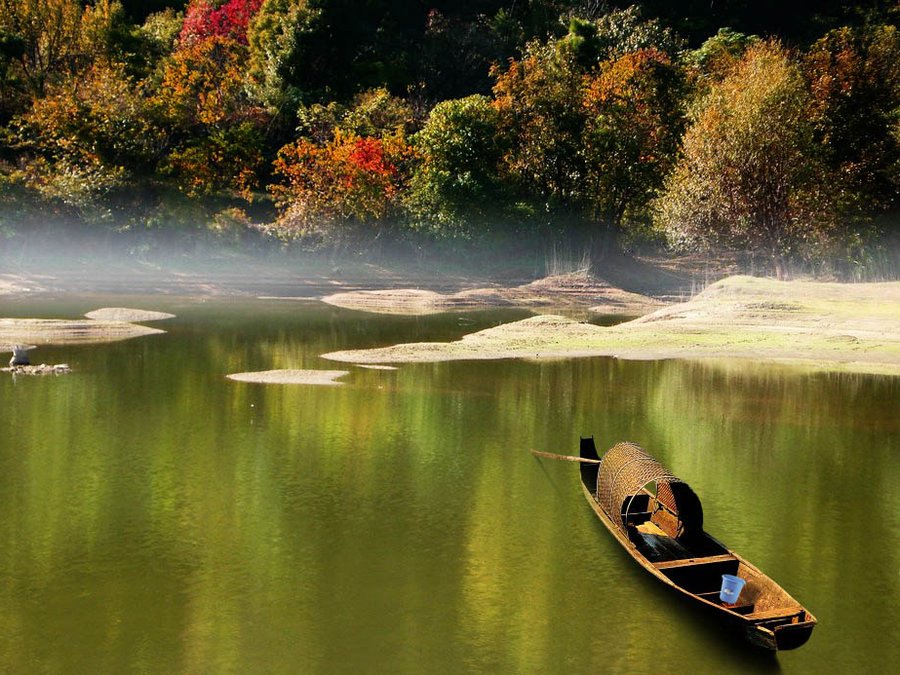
{"x": 87, "y": 137}
{"x": 537, "y": 99}
{"x": 590, "y": 128}
{"x": 750, "y": 177}
{"x": 219, "y": 131}
{"x": 632, "y": 131}
{"x": 349, "y": 181}
{"x": 854, "y": 77}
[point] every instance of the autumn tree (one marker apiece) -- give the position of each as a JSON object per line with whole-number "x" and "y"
{"x": 538, "y": 102}
{"x": 218, "y": 18}
{"x": 593, "y": 119}
{"x": 217, "y": 131}
{"x": 351, "y": 184}
{"x": 107, "y": 34}
{"x": 87, "y": 129}
{"x": 104, "y": 112}
{"x": 632, "y": 132}
{"x": 749, "y": 177}
{"x": 49, "y": 32}
{"x": 854, "y": 77}
{"x": 87, "y": 137}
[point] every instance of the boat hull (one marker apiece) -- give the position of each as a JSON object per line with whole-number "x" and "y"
{"x": 784, "y": 627}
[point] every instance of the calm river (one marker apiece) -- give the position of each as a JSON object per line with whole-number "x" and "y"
{"x": 157, "y": 517}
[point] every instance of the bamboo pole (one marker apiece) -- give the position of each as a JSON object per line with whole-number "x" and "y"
{"x": 565, "y": 458}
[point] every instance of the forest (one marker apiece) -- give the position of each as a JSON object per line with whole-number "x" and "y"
{"x": 765, "y": 130}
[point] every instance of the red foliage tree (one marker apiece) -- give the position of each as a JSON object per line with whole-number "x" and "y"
{"x": 208, "y": 18}
{"x": 350, "y": 179}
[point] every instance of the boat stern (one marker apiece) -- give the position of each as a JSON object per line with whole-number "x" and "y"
{"x": 782, "y": 634}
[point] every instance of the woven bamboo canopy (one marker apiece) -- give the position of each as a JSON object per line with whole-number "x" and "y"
{"x": 626, "y": 469}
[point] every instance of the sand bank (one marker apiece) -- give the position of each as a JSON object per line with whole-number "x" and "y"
{"x": 827, "y": 326}
{"x": 66, "y": 332}
{"x": 317, "y": 377}
{"x": 568, "y": 291}
{"x": 127, "y": 314}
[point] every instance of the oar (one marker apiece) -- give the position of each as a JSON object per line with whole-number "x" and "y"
{"x": 565, "y": 458}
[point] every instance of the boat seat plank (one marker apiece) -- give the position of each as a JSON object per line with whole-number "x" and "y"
{"x": 649, "y": 527}
{"x": 713, "y": 597}
{"x": 688, "y": 562}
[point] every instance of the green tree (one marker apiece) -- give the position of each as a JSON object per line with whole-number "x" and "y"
{"x": 717, "y": 57}
{"x": 276, "y": 36}
{"x": 155, "y": 40}
{"x": 750, "y": 177}
{"x": 376, "y": 112}
{"x": 456, "y": 184}
{"x": 371, "y": 113}
{"x": 616, "y": 33}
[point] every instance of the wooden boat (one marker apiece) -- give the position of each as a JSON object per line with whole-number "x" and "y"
{"x": 659, "y": 520}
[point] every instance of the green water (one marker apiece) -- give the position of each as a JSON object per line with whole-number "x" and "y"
{"x": 157, "y": 517}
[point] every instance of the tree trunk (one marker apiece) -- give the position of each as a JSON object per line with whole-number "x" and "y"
{"x": 604, "y": 245}
{"x": 781, "y": 272}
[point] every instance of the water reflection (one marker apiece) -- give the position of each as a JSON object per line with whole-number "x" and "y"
{"x": 159, "y": 517}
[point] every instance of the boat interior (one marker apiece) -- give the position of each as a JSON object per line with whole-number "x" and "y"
{"x": 692, "y": 560}
{"x": 695, "y": 561}
{"x": 660, "y": 535}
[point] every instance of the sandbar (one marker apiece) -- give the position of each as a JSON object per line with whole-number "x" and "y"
{"x": 560, "y": 292}
{"x": 823, "y": 326}
{"x": 127, "y": 314}
{"x": 67, "y": 332}
{"x": 288, "y": 376}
